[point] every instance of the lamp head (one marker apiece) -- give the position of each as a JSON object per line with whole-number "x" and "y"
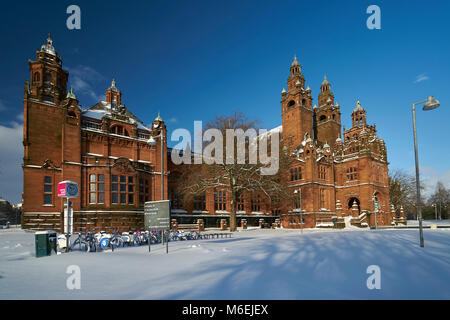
{"x": 431, "y": 104}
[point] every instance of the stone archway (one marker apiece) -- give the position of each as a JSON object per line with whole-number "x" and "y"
{"x": 350, "y": 203}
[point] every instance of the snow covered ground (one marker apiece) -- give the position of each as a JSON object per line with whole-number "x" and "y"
{"x": 429, "y": 222}
{"x": 254, "y": 264}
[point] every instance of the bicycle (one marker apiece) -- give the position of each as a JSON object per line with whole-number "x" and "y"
{"x": 116, "y": 240}
{"x": 91, "y": 241}
{"x": 127, "y": 238}
{"x": 80, "y": 240}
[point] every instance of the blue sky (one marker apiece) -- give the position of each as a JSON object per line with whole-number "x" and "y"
{"x": 194, "y": 60}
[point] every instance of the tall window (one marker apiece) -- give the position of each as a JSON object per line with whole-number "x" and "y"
{"x": 352, "y": 174}
{"x": 220, "y": 200}
{"x": 322, "y": 198}
{"x": 121, "y": 131}
{"x": 143, "y": 191}
{"x": 322, "y": 172}
{"x": 256, "y": 202}
{"x": 176, "y": 198}
{"x": 97, "y": 188}
{"x": 122, "y": 189}
{"x": 36, "y": 77}
{"x": 48, "y": 190}
{"x": 200, "y": 202}
{"x": 298, "y": 199}
{"x": 240, "y": 202}
{"x": 296, "y": 174}
{"x": 48, "y": 77}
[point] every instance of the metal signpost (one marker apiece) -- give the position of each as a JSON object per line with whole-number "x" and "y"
{"x": 68, "y": 189}
{"x": 157, "y": 217}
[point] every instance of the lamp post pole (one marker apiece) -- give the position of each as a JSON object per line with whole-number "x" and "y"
{"x": 419, "y": 206}
{"x": 299, "y": 191}
{"x": 162, "y": 164}
{"x": 430, "y": 104}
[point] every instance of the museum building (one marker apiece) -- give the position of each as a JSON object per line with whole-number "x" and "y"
{"x": 105, "y": 149}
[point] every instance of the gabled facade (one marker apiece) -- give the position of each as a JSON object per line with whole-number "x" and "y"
{"x": 104, "y": 149}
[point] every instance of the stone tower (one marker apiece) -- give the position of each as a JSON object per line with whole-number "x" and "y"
{"x": 296, "y": 108}
{"x": 327, "y": 118}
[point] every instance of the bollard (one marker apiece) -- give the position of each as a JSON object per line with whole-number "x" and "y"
{"x": 174, "y": 225}
{"x": 201, "y": 225}
{"x": 278, "y": 223}
{"x": 223, "y": 224}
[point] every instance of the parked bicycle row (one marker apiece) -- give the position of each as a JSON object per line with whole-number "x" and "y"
{"x": 94, "y": 242}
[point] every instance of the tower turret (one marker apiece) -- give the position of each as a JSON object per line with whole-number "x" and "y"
{"x": 296, "y": 107}
{"x": 358, "y": 115}
{"x": 48, "y": 81}
{"x": 113, "y": 95}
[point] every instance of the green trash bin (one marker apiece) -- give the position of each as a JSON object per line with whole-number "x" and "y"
{"x": 45, "y": 241}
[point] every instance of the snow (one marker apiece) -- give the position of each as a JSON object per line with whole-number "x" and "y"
{"x": 253, "y": 264}
{"x": 428, "y": 222}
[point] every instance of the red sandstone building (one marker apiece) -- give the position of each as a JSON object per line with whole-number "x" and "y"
{"x": 105, "y": 150}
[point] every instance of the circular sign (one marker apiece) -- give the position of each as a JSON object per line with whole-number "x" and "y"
{"x": 72, "y": 190}
{"x": 104, "y": 243}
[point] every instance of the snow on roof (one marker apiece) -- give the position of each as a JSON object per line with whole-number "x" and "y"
{"x": 102, "y": 108}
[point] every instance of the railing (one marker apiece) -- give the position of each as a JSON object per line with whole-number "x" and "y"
{"x": 91, "y": 125}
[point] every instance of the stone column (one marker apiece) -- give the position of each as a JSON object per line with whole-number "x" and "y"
{"x": 201, "y": 225}
{"x": 223, "y": 224}
{"x": 261, "y": 221}
{"x": 355, "y": 211}
{"x": 338, "y": 208}
{"x": 174, "y": 225}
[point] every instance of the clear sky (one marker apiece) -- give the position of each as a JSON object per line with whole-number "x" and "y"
{"x": 193, "y": 60}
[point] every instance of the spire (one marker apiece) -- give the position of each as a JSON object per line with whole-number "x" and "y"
{"x": 70, "y": 94}
{"x": 295, "y": 62}
{"x": 325, "y": 81}
{"x": 48, "y": 47}
{"x": 358, "y": 107}
{"x": 158, "y": 118}
{"x": 113, "y": 85}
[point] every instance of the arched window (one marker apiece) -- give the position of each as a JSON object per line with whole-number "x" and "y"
{"x": 36, "y": 77}
{"x": 291, "y": 103}
{"x": 121, "y": 131}
{"x": 322, "y": 117}
{"x": 48, "y": 77}
{"x": 71, "y": 114}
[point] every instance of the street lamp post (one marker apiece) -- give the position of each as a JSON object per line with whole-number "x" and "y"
{"x": 299, "y": 192}
{"x": 430, "y": 104}
{"x": 435, "y": 210}
{"x": 375, "y": 206}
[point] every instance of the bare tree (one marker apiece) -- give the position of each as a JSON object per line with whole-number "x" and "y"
{"x": 403, "y": 192}
{"x": 440, "y": 198}
{"x": 234, "y": 176}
